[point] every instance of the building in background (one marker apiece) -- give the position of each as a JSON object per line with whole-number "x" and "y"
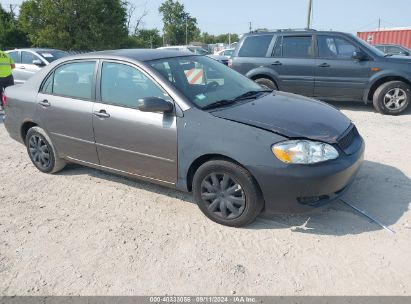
{"x": 400, "y": 36}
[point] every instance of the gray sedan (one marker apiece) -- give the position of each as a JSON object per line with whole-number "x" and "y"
{"x": 187, "y": 122}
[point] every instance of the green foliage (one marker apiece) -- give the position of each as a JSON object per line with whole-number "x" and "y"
{"x": 176, "y": 21}
{"x": 146, "y": 39}
{"x": 97, "y": 25}
{"x": 75, "y": 24}
{"x": 223, "y": 38}
{"x": 10, "y": 34}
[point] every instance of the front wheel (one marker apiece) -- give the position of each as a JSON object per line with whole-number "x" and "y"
{"x": 42, "y": 152}
{"x": 227, "y": 193}
{"x": 392, "y": 97}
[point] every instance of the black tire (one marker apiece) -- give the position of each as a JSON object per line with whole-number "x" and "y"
{"x": 241, "y": 193}
{"x": 42, "y": 152}
{"x": 397, "y": 103}
{"x": 266, "y": 83}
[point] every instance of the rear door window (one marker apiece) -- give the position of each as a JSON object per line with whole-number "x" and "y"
{"x": 255, "y": 46}
{"x": 294, "y": 47}
{"x": 73, "y": 80}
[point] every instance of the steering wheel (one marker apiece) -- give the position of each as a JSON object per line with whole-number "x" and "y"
{"x": 213, "y": 85}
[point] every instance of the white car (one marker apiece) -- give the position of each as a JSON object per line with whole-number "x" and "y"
{"x": 226, "y": 53}
{"x": 30, "y": 61}
{"x": 186, "y": 48}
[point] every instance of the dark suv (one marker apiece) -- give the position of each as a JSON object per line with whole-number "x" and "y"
{"x": 325, "y": 65}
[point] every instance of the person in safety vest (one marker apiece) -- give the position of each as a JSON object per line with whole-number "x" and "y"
{"x": 6, "y": 77}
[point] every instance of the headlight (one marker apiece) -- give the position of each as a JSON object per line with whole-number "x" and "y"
{"x": 304, "y": 152}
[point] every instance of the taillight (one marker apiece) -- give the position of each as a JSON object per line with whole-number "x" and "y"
{"x": 230, "y": 63}
{"x": 4, "y": 99}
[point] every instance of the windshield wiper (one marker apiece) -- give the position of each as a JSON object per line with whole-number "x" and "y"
{"x": 219, "y": 103}
{"x": 224, "y": 102}
{"x": 251, "y": 94}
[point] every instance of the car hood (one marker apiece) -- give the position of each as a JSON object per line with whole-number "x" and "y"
{"x": 397, "y": 59}
{"x": 290, "y": 115}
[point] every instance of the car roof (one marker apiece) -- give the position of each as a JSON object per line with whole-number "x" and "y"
{"x": 35, "y": 50}
{"x": 293, "y": 32}
{"x": 137, "y": 54}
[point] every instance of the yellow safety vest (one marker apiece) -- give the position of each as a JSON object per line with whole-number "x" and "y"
{"x": 5, "y": 64}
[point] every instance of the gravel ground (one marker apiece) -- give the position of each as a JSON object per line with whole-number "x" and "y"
{"x": 85, "y": 232}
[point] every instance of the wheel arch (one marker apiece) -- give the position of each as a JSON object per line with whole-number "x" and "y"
{"x": 25, "y": 127}
{"x": 263, "y": 73}
{"x": 378, "y": 82}
{"x": 199, "y": 161}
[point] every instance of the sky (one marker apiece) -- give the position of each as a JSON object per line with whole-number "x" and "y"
{"x": 233, "y": 16}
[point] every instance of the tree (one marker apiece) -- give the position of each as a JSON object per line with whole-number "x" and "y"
{"x": 75, "y": 24}
{"x": 134, "y": 22}
{"x": 146, "y": 38}
{"x": 10, "y": 34}
{"x": 179, "y": 26}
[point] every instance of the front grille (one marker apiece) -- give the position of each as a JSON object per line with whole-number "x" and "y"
{"x": 347, "y": 139}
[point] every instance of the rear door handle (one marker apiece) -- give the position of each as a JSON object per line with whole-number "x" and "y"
{"x": 101, "y": 114}
{"x": 22, "y": 67}
{"x": 324, "y": 65}
{"x": 276, "y": 63}
{"x": 44, "y": 103}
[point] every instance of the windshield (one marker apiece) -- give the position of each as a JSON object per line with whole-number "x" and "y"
{"x": 50, "y": 56}
{"x": 203, "y": 80}
{"x": 368, "y": 46}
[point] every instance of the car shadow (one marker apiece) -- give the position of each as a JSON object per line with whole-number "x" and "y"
{"x": 74, "y": 169}
{"x": 359, "y": 106}
{"x": 382, "y": 191}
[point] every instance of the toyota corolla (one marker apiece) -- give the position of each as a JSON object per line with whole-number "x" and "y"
{"x": 190, "y": 123}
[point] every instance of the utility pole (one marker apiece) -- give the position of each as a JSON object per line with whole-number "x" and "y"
{"x": 310, "y": 9}
{"x": 251, "y": 29}
{"x": 186, "y": 31}
{"x": 379, "y": 23}
{"x": 229, "y": 39}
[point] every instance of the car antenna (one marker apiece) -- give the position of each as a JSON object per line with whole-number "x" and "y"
{"x": 367, "y": 216}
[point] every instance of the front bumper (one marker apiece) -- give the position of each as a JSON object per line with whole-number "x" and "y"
{"x": 300, "y": 188}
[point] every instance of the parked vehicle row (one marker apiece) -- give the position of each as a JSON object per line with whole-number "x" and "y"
{"x": 325, "y": 65}
{"x": 239, "y": 148}
{"x": 195, "y": 50}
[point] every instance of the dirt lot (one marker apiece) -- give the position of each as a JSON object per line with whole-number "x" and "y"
{"x": 84, "y": 232}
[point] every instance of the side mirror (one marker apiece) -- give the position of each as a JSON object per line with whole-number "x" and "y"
{"x": 38, "y": 62}
{"x": 359, "y": 55}
{"x": 155, "y": 104}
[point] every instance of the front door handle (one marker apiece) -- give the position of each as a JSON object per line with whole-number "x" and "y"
{"x": 324, "y": 65}
{"x": 101, "y": 114}
{"x": 22, "y": 67}
{"x": 44, "y": 103}
{"x": 276, "y": 63}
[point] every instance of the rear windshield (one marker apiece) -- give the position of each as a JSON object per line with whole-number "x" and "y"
{"x": 255, "y": 46}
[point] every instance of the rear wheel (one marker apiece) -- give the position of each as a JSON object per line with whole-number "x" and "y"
{"x": 392, "y": 97}
{"x": 226, "y": 193}
{"x": 42, "y": 152}
{"x": 266, "y": 83}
